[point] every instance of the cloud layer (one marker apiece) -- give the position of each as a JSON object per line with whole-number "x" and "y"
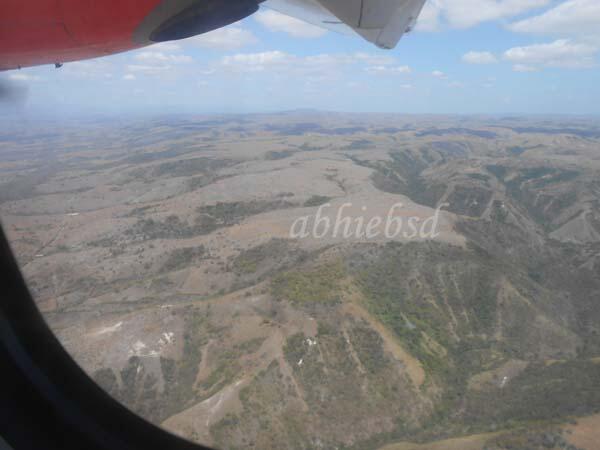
{"x": 561, "y": 53}
{"x": 474, "y": 57}
{"x": 575, "y": 22}
{"x": 459, "y": 14}
{"x": 573, "y": 17}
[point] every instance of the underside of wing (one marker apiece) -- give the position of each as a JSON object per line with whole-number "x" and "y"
{"x": 382, "y": 22}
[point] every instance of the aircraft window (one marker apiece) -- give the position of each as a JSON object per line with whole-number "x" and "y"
{"x": 272, "y": 236}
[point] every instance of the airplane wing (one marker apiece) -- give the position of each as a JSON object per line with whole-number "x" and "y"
{"x": 382, "y": 22}
{"x": 42, "y": 32}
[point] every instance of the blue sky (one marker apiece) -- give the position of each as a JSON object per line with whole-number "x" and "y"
{"x": 466, "y": 56}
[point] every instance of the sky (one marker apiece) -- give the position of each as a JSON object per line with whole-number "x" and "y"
{"x": 464, "y": 57}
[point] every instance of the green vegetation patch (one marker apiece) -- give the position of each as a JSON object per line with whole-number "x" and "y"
{"x": 227, "y": 214}
{"x": 469, "y": 200}
{"x": 525, "y": 439}
{"x": 353, "y": 388}
{"x": 269, "y": 418}
{"x": 170, "y": 228}
{"x": 540, "y": 392}
{"x": 183, "y": 257}
{"x": 368, "y": 345}
{"x": 318, "y": 285}
{"x": 402, "y": 175}
{"x": 249, "y": 261}
{"x": 276, "y": 155}
{"x": 543, "y": 192}
{"x": 317, "y": 200}
{"x": 210, "y": 218}
{"x": 227, "y": 365}
{"x": 189, "y": 167}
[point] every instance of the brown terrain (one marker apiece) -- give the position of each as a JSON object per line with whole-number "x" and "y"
{"x": 160, "y": 252}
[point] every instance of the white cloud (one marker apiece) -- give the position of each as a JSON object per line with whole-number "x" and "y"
{"x": 439, "y": 74}
{"x": 256, "y": 62}
{"x": 573, "y": 17}
{"x": 467, "y": 13}
{"x": 150, "y": 57}
{"x": 388, "y": 70}
{"x": 524, "y": 68}
{"x": 372, "y": 59}
{"x": 93, "y": 69}
{"x": 561, "y": 53}
{"x": 228, "y": 38}
{"x": 430, "y": 17}
{"x": 148, "y": 69}
{"x": 23, "y": 77}
{"x": 166, "y": 47}
{"x": 275, "y": 21}
{"x": 283, "y": 62}
{"x": 479, "y": 58}
{"x": 151, "y": 62}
